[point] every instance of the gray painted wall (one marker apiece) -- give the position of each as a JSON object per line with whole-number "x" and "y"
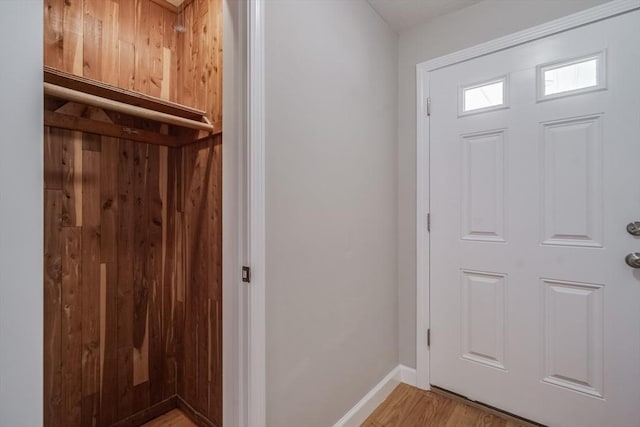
{"x": 476, "y": 24}
{"x": 331, "y": 73}
{"x": 21, "y": 213}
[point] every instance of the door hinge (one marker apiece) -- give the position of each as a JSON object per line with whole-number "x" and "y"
{"x": 246, "y": 274}
{"x": 428, "y": 338}
{"x": 428, "y": 221}
{"x": 428, "y": 106}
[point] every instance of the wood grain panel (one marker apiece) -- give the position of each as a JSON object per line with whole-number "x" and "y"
{"x": 52, "y": 307}
{"x": 109, "y": 399}
{"x": 200, "y": 383}
{"x": 200, "y": 59}
{"x": 125, "y": 279}
{"x": 109, "y": 200}
{"x": 115, "y": 279}
{"x": 170, "y": 61}
{"x": 53, "y": 33}
{"x": 142, "y": 56}
{"x": 53, "y": 142}
{"x": 154, "y": 274}
{"x": 119, "y": 42}
{"x": 109, "y": 204}
{"x": 140, "y": 279}
{"x": 92, "y": 47}
{"x": 133, "y": 232}
{"x": 200, "y": 292}
{"x": 90, "y": 286}
{"x": 156, "y": 50}
{"x": 104, "y": 281}
{"x": 71, "y": 145}
{"x": 71, "y": 238}
{"x": 133, "y": 44}
{"x": 110, "y": 70}
{"x": 168, "y": 339}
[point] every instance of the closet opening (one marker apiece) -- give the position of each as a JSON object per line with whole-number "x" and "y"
{"x": 132, "y": 213}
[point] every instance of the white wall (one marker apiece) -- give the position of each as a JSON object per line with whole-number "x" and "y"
{"x": 331, "y": 73}
{"x": 21, "y": 213}
{"x": 476, "y": 24}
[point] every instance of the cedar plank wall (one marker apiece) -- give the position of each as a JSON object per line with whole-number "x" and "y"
{"x": 200, "y": 72}
{"x": 133, "y": 261}
{"x": 109, "y": 342}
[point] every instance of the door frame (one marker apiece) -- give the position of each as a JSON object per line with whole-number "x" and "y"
{"x": 423, "y": 73}
{"x": 254, "y": 316}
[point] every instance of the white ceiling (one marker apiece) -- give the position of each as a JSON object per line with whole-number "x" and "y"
{"x": 402, "y": 14}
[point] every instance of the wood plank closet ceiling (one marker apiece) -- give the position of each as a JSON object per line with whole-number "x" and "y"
{"x": 133, "y": 231}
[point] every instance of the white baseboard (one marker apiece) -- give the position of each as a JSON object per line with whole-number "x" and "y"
{"x": 408, "y": 375}
{"x": 361, "y": 411}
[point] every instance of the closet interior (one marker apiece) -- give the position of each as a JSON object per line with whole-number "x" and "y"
{"x": 132, "y": 209}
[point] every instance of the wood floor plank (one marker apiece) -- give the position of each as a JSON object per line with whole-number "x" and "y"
{"x": 406, "y": 399}
{"x": 431, "y": 410}
{"x": 174, "y": 418}
{"x": 409, "y": 406}
{"x": 464, "y": 415}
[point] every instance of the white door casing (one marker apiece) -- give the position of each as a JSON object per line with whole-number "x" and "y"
{"x": 533, "y": 309}
{"x": 254, "y": 304}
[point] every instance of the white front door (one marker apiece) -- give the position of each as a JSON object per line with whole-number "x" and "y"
{"x": 534, "y": 171}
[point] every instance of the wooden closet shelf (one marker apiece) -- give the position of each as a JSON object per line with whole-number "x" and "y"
{"x": 68, "y": 87}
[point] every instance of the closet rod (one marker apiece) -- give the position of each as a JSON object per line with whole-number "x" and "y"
{"x": 120, "y": 107}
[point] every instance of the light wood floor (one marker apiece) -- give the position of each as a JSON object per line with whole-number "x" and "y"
{"x": 408, "y": 406}
{"x": 174, "y": 418}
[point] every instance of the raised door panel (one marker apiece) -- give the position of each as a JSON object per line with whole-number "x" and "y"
{"x": 572, "y": 174}
{"x": 483, "y": 175}
{"x": 483, "y": 318}
{"x": 573, "y": 335}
